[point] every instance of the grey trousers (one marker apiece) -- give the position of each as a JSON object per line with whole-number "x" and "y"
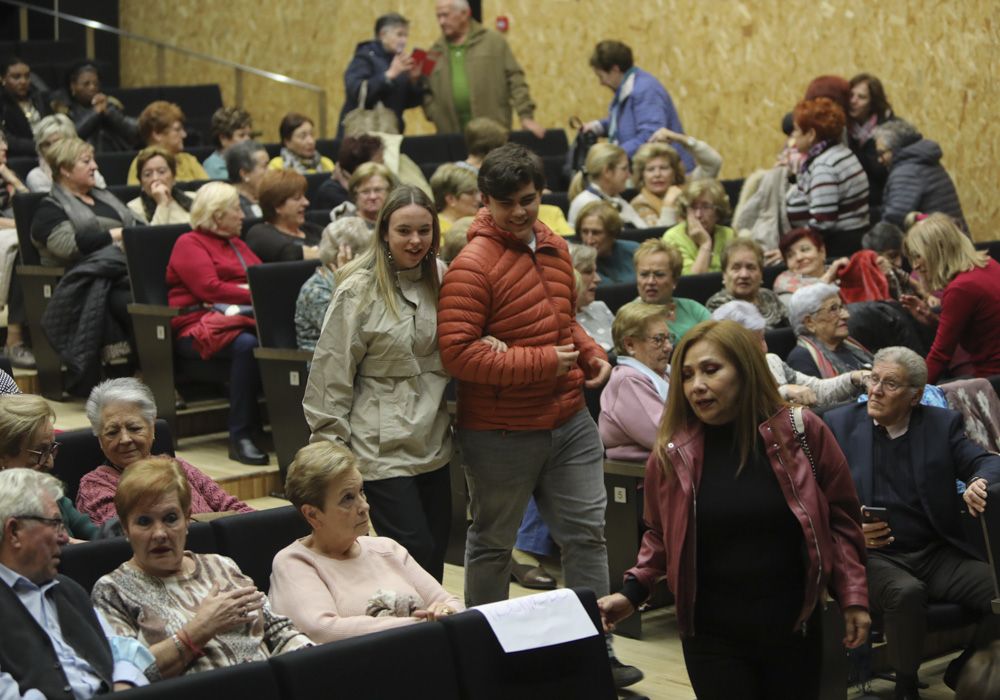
{"x": 564, "y": 469}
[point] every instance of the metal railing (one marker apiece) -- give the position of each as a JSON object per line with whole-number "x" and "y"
{"x": 240, "y": 69}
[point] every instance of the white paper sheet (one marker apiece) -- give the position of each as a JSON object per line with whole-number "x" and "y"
{"x": 538, "y": 620}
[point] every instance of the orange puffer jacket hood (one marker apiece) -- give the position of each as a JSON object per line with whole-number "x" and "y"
{"x": 498, "y": 286}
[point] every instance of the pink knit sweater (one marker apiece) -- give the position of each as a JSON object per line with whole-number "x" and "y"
{"x": 326, "y": 598}
{"x": 96, "y": 496}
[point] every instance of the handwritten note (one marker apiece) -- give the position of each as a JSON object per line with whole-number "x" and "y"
{"x": 539, "y": 620}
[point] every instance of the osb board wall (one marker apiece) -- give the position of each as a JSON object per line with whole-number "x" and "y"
{"x": 732, "y": 68}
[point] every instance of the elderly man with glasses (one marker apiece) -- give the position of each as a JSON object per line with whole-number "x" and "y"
{"x": 905, "y": 459}
{"x": 54, "y": 644}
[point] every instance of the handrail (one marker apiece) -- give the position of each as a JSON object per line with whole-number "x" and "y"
{"x": 162, "y": 46}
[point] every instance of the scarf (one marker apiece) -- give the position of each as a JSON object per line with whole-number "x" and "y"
{"x": 149, "y": 204}
{"x": 659, "y": 381}
{"x": 83, "y": 217}
{"x": 621, "y": 94}
{"x": 290, "y": 161}
{"x": 829, "y": 363}
{"x": 861, "y": 133}
{"x": 814, "y": 151}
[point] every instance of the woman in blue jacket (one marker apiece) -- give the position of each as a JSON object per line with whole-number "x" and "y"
{"x": 391, "y": 73}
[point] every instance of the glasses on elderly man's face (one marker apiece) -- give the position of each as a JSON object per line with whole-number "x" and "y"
{"x": 55, "y": 523}
{"x": 873, "y": 381}
{"x": 41, "y": 455}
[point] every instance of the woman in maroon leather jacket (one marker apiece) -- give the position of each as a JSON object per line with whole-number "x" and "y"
{"x": 747, "y": 532}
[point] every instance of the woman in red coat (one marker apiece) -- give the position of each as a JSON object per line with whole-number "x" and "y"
{"x": 207, "y": 281}
{"x": 749, "y": 526}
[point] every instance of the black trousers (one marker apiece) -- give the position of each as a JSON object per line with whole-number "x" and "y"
{"x": 900, "y": 584}
{"x": 785, "y": 667}
{"x": 244, "y": 382}
{"x": 416, "y": 512}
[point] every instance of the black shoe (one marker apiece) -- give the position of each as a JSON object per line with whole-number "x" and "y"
{"x": 906, "y": 689}
{"x": 623, "y": 675}
{"x": 243, "y": 450}
{"x": 954, "y": 670}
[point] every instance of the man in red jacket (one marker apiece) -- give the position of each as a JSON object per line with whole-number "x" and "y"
{"x": 523, "y": 425}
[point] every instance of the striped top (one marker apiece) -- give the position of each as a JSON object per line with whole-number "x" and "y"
{"x": 831, "y": 193}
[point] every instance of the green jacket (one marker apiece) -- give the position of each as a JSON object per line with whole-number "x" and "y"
{"x": 497, "y": 87}
{"x": 77, "y": 524}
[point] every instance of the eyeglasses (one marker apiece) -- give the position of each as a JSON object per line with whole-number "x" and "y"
{"x": 889, "y": 385}
{"x": 56, "y": 523}
{"x": 658, "y": 275}
{"x": 702, "y": 206}
{"x": 373, "y": 191}
{"x": 659, "y": 340}
{"x": 833, "y": 310}
{"x": 42, "y": 455}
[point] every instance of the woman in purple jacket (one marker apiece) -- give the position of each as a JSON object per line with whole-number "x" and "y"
{"x": 632, "y": 402}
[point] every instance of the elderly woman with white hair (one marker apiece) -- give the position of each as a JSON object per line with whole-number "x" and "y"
{"x": 342, "y": 240}
{"x": 49, "y": 132}
{"x": 122, "y": 414}
{"x": 794, "y": 386}
{"x": 207, "y": 281}
{"x": 825, "y": 347}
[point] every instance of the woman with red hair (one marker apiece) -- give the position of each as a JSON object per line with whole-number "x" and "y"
{"x": 831, "y": 189}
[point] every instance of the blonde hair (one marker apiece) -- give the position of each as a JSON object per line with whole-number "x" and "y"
{"x": 758, "y": 396}
{"x": 600, "y": 157}
{"x": 211, "y": 199}
{"x": 649, "y": 151}
{"x": 583, "y": 256}
{"x": 314, "y": 468}
{"x": 658, "y": 245}
{"x": 946, "y": 251}
{"x": 366, "y": 171}
{"x": 455, "y": 238}
{"x": 376, "y": 258}
{"x": 351, "y": 230}
{"x": 611, "y": 220}
{"x": 454, "y": 180}
{"x": 148, "y": 480}
{"x": 64, "y": 153}
{"x": 632, "y": 320}
{"x": 711, "y": 190}
{"x": 53, "y": 125}
{"x": 21, "y": 415}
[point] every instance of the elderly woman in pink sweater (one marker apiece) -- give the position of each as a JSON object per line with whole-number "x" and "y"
{"x": 338, "y": 582}
{"x": 632, "y": 402}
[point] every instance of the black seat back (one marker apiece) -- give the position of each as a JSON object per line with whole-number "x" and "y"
{"x": 578, "y": 669}
{"x": 780, "y": 341}
{"x": 252, "y": 539}
{"x": 126, "y": 193}
{"x": 698, "y": 287}
{"x": 313, "y": 182}
{"x": 553, "y": 143}
{"x": 80, "y": 452}
{"x": 147, "y": 252}
{"x": 642, "y": 234}
{"x": 275, "y": 291}
{"x": 25, "y": 205}
{"x": 771, "y": 273}
{"x": 251, "y": 680}
{"x": 114, "y": 166}
{"x": 558, "y": 199}
{"x": 356, "y": 667}
{"x": 434, "y": 148}
{"x": 86, "y": 562}
{"x": 617, "y": 295}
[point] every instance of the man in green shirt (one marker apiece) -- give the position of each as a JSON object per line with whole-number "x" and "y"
{"x": 475, "y": 75}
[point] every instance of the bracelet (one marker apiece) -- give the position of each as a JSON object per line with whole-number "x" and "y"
{"x": 177, "y": 645}
{"x": 189, "y": 643}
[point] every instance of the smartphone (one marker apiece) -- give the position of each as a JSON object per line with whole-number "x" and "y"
{"x": 874, "y": 514}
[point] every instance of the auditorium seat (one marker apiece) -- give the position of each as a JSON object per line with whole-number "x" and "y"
{"x": 642, "y": 234}
{"x": 22, "y": 165}
{"x": 554, "y": 143}
{"x": 80, "y": 452}
{"x": 313, "y": 182}
{"x": 253, "y": 681}
{"x": 125, "y": 193}
{"x": 408, "y": 662}
{"x": 732, "y": 188}
{"x": 434, "y": 148}
{"x": 698, "y": 287}
{"x": 327, "y": 147}
{"x": 252, "y": 539}
{"x": 320, "y": 217}
{"x": 616, "y": 295}
{"x": 283, "y": 367}
{"x": 577, "y": 670}
{"x": 559, "y": 199}
{"x": 780, "y": 341}
{"x": 38, "y": 282}
{"x": 771, "y": 273}
{"x": 991, "y": 247}
{"x": 114, "y": 166}
{"x": 86, "y": 562}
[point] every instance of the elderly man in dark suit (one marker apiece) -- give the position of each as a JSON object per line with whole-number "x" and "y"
{"x": 54, "y": 644}
{"x": 906, "y": 457}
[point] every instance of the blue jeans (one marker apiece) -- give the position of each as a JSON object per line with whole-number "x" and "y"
{"x": 533, "y": 536}
{"x": 564, "y": 469}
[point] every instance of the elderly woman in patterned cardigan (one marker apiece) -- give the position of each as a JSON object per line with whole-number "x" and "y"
{"x": 195, "y": 612}
{"x": 122, "y": 413}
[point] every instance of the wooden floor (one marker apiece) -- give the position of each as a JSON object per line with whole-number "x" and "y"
{"x": 658, "y": 653}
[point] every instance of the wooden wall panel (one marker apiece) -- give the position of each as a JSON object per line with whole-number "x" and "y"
{"x": 733, "y": 68}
